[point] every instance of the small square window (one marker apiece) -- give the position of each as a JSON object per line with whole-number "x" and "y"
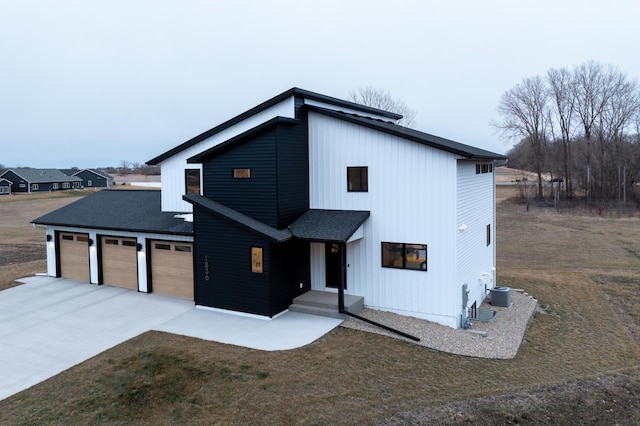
{"x": 357, "y": 179}
{"x": 242, "y": 173}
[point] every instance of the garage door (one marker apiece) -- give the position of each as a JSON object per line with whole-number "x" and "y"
{"x": 119, "y": 262}
{"x": 74, "y": 255}
{"x": 172, "y": 268}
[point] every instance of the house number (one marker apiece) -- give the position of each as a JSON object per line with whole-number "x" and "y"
{"x": 206, "y": 268}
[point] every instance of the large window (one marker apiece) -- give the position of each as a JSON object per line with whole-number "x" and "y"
{"x": 357, "y": 179}
{"x": 192, "y": 181}
{"x": 404, "y": 256}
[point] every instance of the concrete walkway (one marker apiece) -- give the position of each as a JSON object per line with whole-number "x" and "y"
{"x": 48, "y": 325}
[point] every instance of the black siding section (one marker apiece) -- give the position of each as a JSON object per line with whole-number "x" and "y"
{"x": 293, "y": 171}
{"x": 97, "y": 181}
{"x": 257, "y": 196}
{"x": 290, "y": 266}
{"x": 224, "y": 250}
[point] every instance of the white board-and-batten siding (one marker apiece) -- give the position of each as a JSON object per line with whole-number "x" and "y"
{"x": 476, "y": 206}
{"x": 173, "y": 168}
{"x": 412, "y": 199}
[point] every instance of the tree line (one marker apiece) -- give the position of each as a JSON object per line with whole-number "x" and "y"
{"x": 580, "y": 126}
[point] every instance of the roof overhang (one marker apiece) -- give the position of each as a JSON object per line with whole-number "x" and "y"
{"x": 315, "y": 225}
{"x": 329, "y": 226}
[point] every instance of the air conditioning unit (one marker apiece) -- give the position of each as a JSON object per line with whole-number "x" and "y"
{"x": 501, "y": 296}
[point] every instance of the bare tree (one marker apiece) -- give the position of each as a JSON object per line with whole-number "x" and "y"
{"x": 381, "y": 99}
{"x": 561, "y": 92}
{"x": 524, "y": 115}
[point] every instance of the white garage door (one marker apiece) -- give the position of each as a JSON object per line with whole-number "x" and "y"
{"x": 172, "y": 268}
{"x": 119, "y": 262}
{"x": 74, "y": 255}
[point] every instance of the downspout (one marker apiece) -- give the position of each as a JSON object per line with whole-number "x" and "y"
{"x": 342, "y": 310}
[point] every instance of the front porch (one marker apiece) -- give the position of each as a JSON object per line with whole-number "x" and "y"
{"x": 325, "y": 303}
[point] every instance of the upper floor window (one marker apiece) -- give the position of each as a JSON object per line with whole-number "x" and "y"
{"x": 242, "y": 173}
{"x": 357, "y": 179}
{"x": 484, "y": 168}
{"x": 192, "y": 181}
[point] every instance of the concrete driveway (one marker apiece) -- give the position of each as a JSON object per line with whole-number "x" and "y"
{"x": 48, "y": 325}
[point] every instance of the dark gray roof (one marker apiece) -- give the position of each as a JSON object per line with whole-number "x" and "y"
{"x": 276, "y": 235}
{"x": 328, "y": 225}
{"x": 43, "y": 175}
{"x": 313, "y": 225}
{"x": 267, "y": 104}
{"x": 121, "y": 210}
{"x": 457, "y": 148}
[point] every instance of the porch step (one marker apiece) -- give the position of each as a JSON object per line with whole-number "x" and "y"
{"x": 325, "y": 303}
{"x": 316, "y": 310}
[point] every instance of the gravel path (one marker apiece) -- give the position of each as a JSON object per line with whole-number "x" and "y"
{"x": 500, "y": 338}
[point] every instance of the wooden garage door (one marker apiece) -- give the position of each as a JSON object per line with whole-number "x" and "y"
{"x": 119, "y": 262}
{"x": 172, "y": 268}
{"x": 74, "y": 256}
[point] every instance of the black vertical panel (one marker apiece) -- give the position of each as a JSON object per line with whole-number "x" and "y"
{"x": 290, "y": 267}
{"x": 293, "y": 171}
{"x": 222, "y": 271}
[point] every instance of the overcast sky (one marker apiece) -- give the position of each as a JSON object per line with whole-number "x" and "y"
{"x": 92, "y": 83}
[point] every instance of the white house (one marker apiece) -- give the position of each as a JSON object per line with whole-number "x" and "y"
{"x": 302, "y": 192}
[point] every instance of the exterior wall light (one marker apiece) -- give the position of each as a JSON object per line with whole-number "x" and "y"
{"x": 49, "y": 238}
{"x": 90, "y": 242}
{"x": 139, "y": 247}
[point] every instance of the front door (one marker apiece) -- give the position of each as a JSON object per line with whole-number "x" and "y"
{"x": 335, "y": 260}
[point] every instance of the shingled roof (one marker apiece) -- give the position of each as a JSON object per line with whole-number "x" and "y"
{"x": 433, "y": 141}
{"x": 314, "y": 225}
{"x": 119, "y": 210}
{"x": 43, "y": 175}
{"x": 328, "y": 225}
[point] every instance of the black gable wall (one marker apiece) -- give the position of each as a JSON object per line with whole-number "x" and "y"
{"x": 255, "y": 196}
{"x": 277, "y": 192}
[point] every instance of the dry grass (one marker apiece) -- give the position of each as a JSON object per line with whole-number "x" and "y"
{"x": 581, "y": 270}
{"x": 22, "y": 247}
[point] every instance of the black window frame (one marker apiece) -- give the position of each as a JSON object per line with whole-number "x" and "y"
{"x": 423, "y": 266}
{"x": 191, "y": 173}
{"x": 358, "y": 175}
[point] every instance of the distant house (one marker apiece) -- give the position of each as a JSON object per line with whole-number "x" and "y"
{"x": 40, "y": 180}
{"x": 94, "y": 179}
{"x": 5, "y": 186}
